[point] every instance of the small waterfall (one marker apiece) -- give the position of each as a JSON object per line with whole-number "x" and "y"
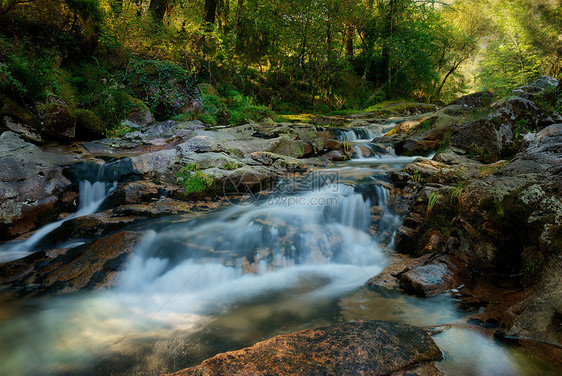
{"x": 271, "y": 245}
{"x": 348, "y": 135}
{"x": 91, "y": 196}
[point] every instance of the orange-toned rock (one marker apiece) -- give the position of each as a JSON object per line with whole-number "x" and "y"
{"x": 352, "y": 348}
{"x": 91, "y": 266}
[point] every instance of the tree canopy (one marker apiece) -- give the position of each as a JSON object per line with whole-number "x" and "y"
{"x": 311, "y": 54}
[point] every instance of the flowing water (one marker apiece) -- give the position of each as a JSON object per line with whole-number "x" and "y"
{"x": 91, "y": 193}
{"x": 295, "y": 259}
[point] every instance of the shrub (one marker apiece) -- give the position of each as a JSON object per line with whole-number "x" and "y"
{"x": 194, "y": 182}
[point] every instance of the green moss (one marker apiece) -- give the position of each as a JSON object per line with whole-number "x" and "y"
{"x": 89, "y": 125}
{"x": 194, "y": 182}
{"x": 118, "y": 130}
{"x": 445, "y": 141}
{"x": 12, "y": 109}
{"x": 62, "y": 87}
{"x": 287, "y": 146}
{"x": 231, "y": 166}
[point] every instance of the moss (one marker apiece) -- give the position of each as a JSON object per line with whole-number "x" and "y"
{"x": 62, "y": 87}
{"x": 118, "y": 130}
{"x": 287, "y": 146}
{"x": 89, "y": 125}
{"x": 12, "y": 109}
{"x": 195, "y": 183}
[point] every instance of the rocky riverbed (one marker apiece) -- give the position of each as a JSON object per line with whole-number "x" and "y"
{"x": 480, "y": 221}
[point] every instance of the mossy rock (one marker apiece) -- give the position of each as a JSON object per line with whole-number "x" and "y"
{"x": 88, "y": 125}
{"x": 59, "y": 121}
{"x": 62, "y": 87}
{"x": 291, "y": 148}
{"x": 17, "y": 119}
{"x": 138, "y": 111}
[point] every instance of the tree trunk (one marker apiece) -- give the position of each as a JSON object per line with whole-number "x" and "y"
{"x": 349, "y": 32}
{"x": 158, "y": 8}
{"x": 238, "y": 16}
{"x": 210, "y": 11}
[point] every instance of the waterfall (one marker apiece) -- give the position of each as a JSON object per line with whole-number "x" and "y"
{"x": 91, "y": 196}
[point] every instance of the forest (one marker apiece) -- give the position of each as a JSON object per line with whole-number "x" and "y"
{"x": 284, "y": 56}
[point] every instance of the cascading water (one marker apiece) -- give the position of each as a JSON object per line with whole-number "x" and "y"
{"x": 293, "y": 260}
{"x": 91, "y": 196}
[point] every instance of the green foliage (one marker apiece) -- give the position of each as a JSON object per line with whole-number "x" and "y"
{"x": 163, "y": 85}
{"x": 119, "y": 130}
{"x": 194, "y": 182}
{"x": 433, "y": 197}
{"x": 456, "y": 194}
{"x": 23, "y": 73}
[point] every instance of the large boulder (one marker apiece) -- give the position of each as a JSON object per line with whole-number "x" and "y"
{"x": 59, "y": 121}
{"x": 495, "y": 134}
{"x": 33, "y": 190}
{"x": 91, "y": 266}
{"x": 88, "y": 125}
{"x": 353, "y": 348}
{"x": 479, "y": 99}
{"x": 15, "y": 118}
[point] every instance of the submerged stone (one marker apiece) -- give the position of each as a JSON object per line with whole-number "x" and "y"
{"x": 352, "y": 348}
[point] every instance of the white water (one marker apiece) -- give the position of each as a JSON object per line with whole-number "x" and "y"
{"x": 91, "y": 196}
{"x": 240, "y": 275}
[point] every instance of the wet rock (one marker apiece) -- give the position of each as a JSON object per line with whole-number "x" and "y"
{"x": 17, "y": 119}
{"x": 388, "y": 278}
{"x": 134, "y": 193}
{"x": 59, "y": 121}
{"x": 88, "y": 125}
{"x": 336, "y": 155}
{"x": 412, "y": 147}
{"x": 432, "y": 278}
{"x": 539, "y": 315}
{"x": 91, "y": 266}
{"x": 32, "y": 186}
{"x": 479, "y": 99}
{"x": 358, "y": 348}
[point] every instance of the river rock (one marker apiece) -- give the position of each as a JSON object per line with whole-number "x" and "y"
{"x": 33, "y": 190}
{"x": 60, "y": 271}
{"x": 432, "y": 278}
{"x": 59, "y": 121}
{"x": 539, "y": 315}
{"x": 353, "y": 348}
{"x": 15, "y": 118}
{"x": 479, "y": 99}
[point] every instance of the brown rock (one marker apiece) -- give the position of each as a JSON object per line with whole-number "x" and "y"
{"x": 432, "y": 278}
{"x": 60, "y": 121}
{"x": 92, "y": 266}
{"x": 353, "y": 348}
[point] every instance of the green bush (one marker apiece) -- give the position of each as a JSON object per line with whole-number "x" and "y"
{"x": 194, "y": 182}
{"x": 22, "y": 73}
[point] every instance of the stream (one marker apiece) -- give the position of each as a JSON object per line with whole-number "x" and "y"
{"x": 295, "y": 259}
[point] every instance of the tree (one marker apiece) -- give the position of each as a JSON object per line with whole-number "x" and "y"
{"x": 158, "y": 9}
{"x": 210, "y": 11}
